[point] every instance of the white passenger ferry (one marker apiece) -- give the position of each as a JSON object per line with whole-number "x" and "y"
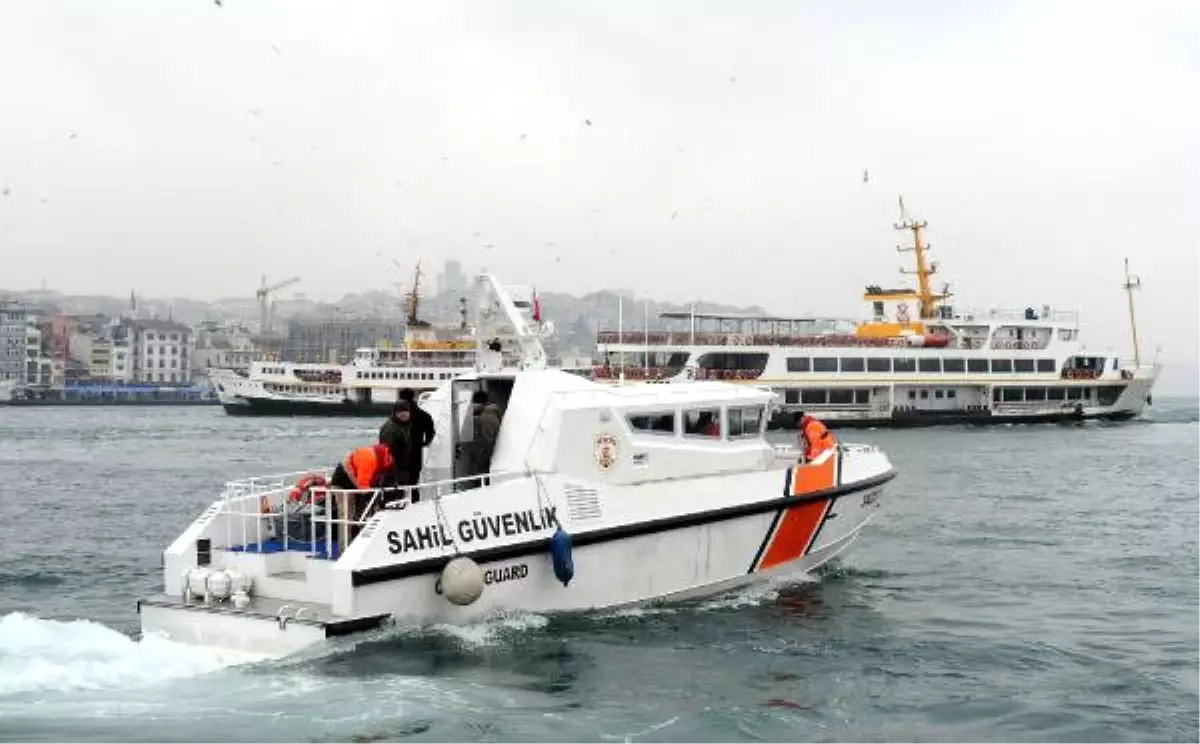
{"x": 370, "y": 384}
{"x": 597, "y": 496}
{"x": 918, "y": 360}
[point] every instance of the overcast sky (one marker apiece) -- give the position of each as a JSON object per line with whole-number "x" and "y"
{"x": 180, "y": 148}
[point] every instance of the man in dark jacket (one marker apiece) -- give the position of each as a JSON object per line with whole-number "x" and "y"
{"x": 486, "y": 422}
{"x": 398, "y": 435}
{"x": 423, "y": 433}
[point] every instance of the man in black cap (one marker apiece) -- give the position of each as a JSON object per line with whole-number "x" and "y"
{"x": 420, "y": 433}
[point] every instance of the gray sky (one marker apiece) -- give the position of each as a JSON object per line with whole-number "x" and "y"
{"x": 179, "y": 148}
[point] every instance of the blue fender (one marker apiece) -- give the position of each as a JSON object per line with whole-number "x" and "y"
{"x": 560, "y": 556}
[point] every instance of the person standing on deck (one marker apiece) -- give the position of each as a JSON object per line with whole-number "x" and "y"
{"x": 399, "y": 436}
{"x": 814, "y": 436}
{"x": 486, "y": 423}
{"x": 422, "y": 436}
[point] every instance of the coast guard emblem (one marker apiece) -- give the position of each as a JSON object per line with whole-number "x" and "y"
{"x": 606, "y": 451}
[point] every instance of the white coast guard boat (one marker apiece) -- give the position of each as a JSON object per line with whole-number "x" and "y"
{"x": 598, "y": 496}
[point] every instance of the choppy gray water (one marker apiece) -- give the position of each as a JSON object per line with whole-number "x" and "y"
{"x": 1020, "y": 583}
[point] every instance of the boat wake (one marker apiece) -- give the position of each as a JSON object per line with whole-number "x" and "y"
{"x": 38, "y": 655}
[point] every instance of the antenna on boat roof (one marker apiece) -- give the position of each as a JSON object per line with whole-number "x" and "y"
{"x": 1132, "y": 283}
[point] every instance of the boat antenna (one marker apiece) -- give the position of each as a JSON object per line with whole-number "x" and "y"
{"x": 1132, "y": 283}
{"x": 924, "y": 271}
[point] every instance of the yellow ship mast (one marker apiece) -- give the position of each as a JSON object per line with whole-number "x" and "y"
{"x": 1132, "y": 283}
{"x": 925, "y": 295}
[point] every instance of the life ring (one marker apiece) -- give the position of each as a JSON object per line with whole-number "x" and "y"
{"x": 302, "y": 491}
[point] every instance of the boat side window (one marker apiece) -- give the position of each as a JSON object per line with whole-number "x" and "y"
{"x": 798, "y": 364}
{"x": 879, "y": 364}
{"x": 953, "y": 365}
{"x": 1010, "y": 394}
{"x": 977, "y": 365}
{"x": 938, "y": 393}
{"x": 825, "y": 364}
{"x": 704, "y": 422}
{"x": 1001, "y": 365}
{"x": 951, "y": 394}
{"x": 1022, "y": 365}
{"x": 791, "y": 397}
{"x": 930, "y": 365}
{"x": 1035, "y": 393}
{"x": 924, "y": 394}
{"x": 1073, "y": 393}
{"x": 904, "y": 364}
{"x": 1046, "y": 365}
{"x": 853, "y": 364}
{"x": 912, "y": 394}
{"x": 862, "y": 396}
{"x": 843, "y": 396}
{"x": 745, "y": 422}
{"x": 1055, "y": 393}
{"x": 652, "y": 422}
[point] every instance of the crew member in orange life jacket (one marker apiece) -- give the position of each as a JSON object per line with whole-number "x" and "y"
{"x": 814, "y": 437}
{"x": 363, "y": 469}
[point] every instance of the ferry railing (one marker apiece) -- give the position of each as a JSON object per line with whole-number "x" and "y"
{"x": 252, "y": 502}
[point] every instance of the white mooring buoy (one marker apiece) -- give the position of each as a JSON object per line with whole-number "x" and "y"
{"x": 462, "y": 581}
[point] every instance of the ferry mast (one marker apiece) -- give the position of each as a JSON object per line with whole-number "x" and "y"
{"x": 1132, "y": 283}
{"x": 925, "y": 296}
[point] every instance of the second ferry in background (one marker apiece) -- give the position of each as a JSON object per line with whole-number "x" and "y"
{"x": 916, "y": 361}
{"x": 370, "y": 384}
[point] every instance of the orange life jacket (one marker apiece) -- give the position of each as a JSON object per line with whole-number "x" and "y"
{"x": 816, "y": 437}
{"x": 366, "y": 465}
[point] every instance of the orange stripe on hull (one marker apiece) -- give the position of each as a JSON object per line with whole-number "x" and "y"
{"x": 796, "y": 529}
{"x": 797, "y": 526}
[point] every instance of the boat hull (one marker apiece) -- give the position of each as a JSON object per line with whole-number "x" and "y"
{"x": 740, "y": 529}
{"x": 282, "y": 407}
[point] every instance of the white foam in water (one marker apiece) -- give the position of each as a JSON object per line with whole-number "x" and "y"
{"x": 489, "y": 631}
{"x": 43, "y": 655}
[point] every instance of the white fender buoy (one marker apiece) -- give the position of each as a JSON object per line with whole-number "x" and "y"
{"x": 462, "y": 581}
{"x": 218, "y": 585}
{"x": 240, "y": 600}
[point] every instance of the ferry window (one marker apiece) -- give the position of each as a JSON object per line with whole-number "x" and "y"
{"x": 1011, "y": 394}
{"x": 996, "y": 394}
{"x": 1055, "y": 393}
{"x": 904, "y": 365}
{"x": 745, "y": 422}
{"x": 1109, "y": 394}
{"x": 852, "y": 364}
{"x": 862, "y": 396}
{"x": 1072, "y": 393}
{"x": 977, "y": 365}
{"x": 924, "y": 394}
{"x": 953, "y": 365}
{"x": 1045, "y": 365}
{"x": 825, "y": 364}
{"x": 937, "y": 393}
{"x": 702, "y": 423}
{"x": 815, "y": 397}
{"x": 912, "y": 394}
{"x": 841, "y": 397}
{"x": 791, "y": 396}
{"x": 1002, "y": 365}
{"x": 1035, "y": 393}
{"x": 930, "y": 365}
{"x": 657, "y": 422}
{"x": 876, "y": 364}
{"x": 1022, "y": 365}
{"x": 798, "y": 364}
{"x": 951, "y": 394}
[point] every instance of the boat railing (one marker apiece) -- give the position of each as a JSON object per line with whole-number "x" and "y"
{"x": 791, "y": 453}
{"x": 259, "y": 511}
{"x": 990, "y": 314}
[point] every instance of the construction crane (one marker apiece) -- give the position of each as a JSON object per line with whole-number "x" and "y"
{"x": 266, "y": 306}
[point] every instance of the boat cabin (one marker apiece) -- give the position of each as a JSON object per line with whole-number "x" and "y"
{"x": 554, "y": 421}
